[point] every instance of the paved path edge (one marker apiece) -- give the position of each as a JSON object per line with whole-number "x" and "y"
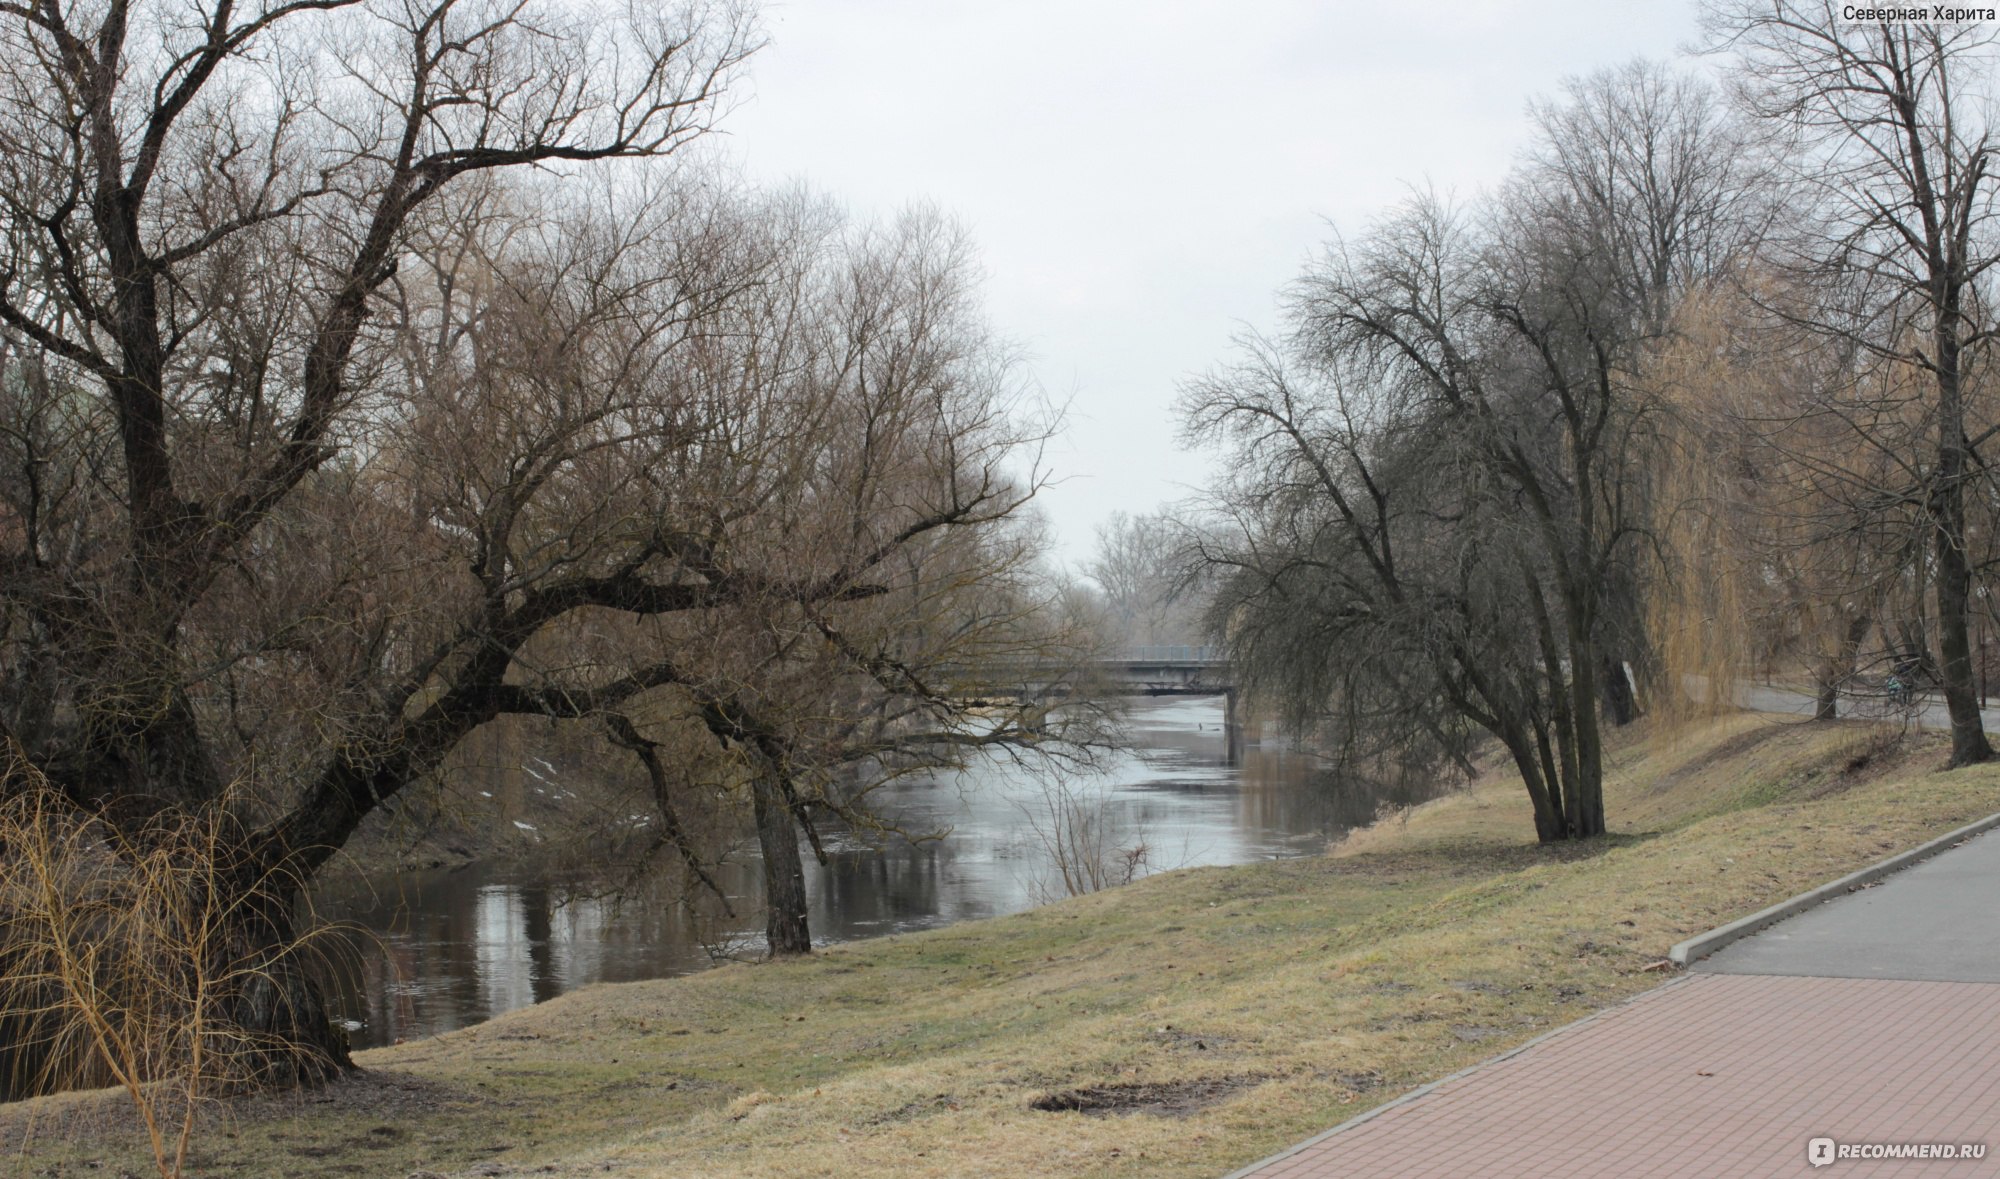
{"x": 1422, "y": 1090}
{"x": 1692, "y": 950}
{"x": 1702, "y": 945}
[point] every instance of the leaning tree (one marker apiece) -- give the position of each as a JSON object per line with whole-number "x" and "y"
{"x": 202, "y": 209}
{"x": 346, "y": 414}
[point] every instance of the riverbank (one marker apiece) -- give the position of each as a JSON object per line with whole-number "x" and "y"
{"x": 1181, "y": 1026}
{"x": 444, "y": 949}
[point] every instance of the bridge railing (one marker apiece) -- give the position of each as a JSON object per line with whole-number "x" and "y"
{"x": 1173, "y": 654}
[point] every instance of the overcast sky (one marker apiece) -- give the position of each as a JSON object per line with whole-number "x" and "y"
{"x": 1142, "y": 176}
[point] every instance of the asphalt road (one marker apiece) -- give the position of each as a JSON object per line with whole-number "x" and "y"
{"x": 1936, "y": 922}
{"x": 1926, "y": 711}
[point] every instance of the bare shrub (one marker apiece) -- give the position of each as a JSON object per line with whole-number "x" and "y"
{"x": 1073, "y": 825}
{"x": 134, "y": 962}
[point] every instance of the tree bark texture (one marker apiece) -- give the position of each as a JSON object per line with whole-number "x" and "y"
{"x": 784, "y": 870}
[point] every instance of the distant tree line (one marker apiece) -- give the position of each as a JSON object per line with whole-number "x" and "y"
{"x": 1141, "y": 594}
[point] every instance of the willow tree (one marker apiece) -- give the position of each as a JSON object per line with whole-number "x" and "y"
{"x": 848, "y": 483}
{"x": 1890, "y": 252}
{"x": 1789, "y": 547}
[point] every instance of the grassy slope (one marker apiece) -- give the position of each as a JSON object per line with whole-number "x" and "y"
{"x": 1239, "y": 1008}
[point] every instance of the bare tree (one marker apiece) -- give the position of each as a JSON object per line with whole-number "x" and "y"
{"x": 201, "y": 210}
{"x": 889, "y": 444}
{"x": 344, "y": 416}
{"x": 1465, "y": 428}
{"x": 715, "y": 464}
{"x": 1141, "y": 569}
{"x": 1338, "y": 605}
{"x": 1892, "y": 161}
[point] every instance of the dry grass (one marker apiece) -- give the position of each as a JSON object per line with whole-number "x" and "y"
{"x": 1182, "y": 1026}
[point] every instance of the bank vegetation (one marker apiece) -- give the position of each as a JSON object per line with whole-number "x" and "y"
{"x": 1184, "y": 1025}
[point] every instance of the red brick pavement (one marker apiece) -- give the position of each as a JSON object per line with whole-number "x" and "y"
{"x": 1711, "y": 1075}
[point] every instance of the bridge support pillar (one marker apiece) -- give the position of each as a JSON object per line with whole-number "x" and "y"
{"x": 1232, "y": 726}
{"x": 1241, "y": 724}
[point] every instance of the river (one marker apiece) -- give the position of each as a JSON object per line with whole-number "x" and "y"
{"x": 449, "y": 948}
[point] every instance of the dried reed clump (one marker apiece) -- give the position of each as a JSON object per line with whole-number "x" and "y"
{"x": 140, "y": 965}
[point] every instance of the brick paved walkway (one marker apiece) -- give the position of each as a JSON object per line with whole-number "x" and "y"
{"x": 1711, "y": 1075}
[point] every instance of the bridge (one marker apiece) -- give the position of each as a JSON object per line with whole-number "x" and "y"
{"x": 1169, "y": 667}
{"x": 1184, "y": 671}
{"x": 1176, "y": 670}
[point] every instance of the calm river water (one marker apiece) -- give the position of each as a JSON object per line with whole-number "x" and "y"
{"x": 451, "y": 948}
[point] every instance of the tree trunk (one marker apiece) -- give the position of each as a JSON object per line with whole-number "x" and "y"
{"x": 1954, "y": 578}
{"x": 1551, "y": 786}
{"x": 1572, "y": 701}
{"x": 1548, "y": 810}
{"x": 280, "y": 1003}
{"x": 1619, "y": 703}
{"x": 1583, "y": 795}
{"x": 784, "y": 873}
{"x": 1961, "y": 692}
{"x": 1834, "y": 672}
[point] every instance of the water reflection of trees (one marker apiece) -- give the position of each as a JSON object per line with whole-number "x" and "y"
{"x": 453, "y": 948}
{"x": 861, "y": 891}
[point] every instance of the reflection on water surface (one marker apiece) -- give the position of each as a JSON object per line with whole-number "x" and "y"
{"x": 453, "y": 948}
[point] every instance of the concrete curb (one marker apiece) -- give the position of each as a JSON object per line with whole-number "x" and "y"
{"x": 1702, "y": 945}
{"x": 1422, "y": 1090}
